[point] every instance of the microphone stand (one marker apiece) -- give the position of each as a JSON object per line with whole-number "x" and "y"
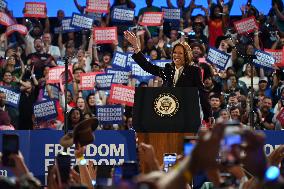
{"x": 251, "y": 112}
{"x": 65, "y": 94}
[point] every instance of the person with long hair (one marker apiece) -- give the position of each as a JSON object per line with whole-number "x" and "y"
{"x": 180, "y": 73}
{"x": 75, "y": 116}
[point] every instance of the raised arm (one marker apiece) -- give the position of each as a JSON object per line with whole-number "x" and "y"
{"x": 169, "y": 3}
{"x": 79, "y": 7}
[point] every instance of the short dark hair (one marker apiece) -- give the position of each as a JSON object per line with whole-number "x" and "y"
{"x": 81, "y": 69}
{"x": 215, "y": 96}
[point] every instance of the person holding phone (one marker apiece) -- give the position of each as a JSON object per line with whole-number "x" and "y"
{"x": 180, "y": 73}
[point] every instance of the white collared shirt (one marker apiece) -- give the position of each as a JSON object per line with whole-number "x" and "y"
{"x": 178, "y": 72}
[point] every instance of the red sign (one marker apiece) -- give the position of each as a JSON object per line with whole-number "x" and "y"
{"x": 120, "y": 94}
{"x": 152, "y": 19}
{"x": 54, "y": 74}
{"x": 277, "y": 54}
{"x": 35, "y": 10}
{"x": 101, "y": 6}
{"x": 5, "y": 19}
{"x": 104, "y": 35}
{"x": 246, "y": 25}
{"x": 17, "y": 28}
{"x": 280, "y": 116}
{"x": 87, "y": 80}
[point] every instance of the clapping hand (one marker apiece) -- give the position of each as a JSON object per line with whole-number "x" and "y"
{"x": 131, "y": 38}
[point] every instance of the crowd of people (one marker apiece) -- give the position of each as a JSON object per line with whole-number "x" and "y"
{"x": 229, "y": 94}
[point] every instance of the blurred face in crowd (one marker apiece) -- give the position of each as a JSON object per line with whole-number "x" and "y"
{"x": 233, "y": 100}
{"x": 69, "y": 97}
{"x": 96, "y": 68}
{"x": 208, "y": 83}
{"x": 233, "y": 80}
{"x": 217, "y": 12}
{"x": 150, "y": 43}
{"x": 155, "y": 40}
{"x": 29, "y": 87}
{"x": 106, "y": 59}
{"x": 149, "y": 3}
{"x": 224, "y": 115}
{"x": 250, "y": 50}
{"x": 45, "y": 71}
{"x": 178, "y": 56}
{"x": 173, "y": 35}
{"x": 199, "y": 19}
{"x": 71, "y": 35}
{"x": 196, "y": 52}
{"x": 38, "y": 44}
{"x": 248, "y": 70}
{"x": 60, "y": 14}
{"x": 80, "y": 55}
{"x": 92, "y": 100}
{"x": 235, "y": 114}
{"x": 215, "y": 103}
{"x": 81, "y": 103}
{"x": 262, "y": 85}
{"x": 10, "y": 52}
{"x": 2, "y": 99}
{"x": 77, "y": 75}
{"x": 224, "y": 46}
{"x": 180, "y": 3}
{"x": 266, "y": 104}
{"x": 75, "y": 116}
{"x": 154, "y": 54}
{"x": 129, "y": 123}
{"x": 7, "y": 77}
{"x": 37, "y": 31}
{"x": 11, "y": 61}
{"x": 47, "y": 39}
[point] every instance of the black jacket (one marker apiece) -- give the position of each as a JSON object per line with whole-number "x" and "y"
{"x": 190, "y": 77}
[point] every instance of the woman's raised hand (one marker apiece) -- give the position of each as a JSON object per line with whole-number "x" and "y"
{"x": 131, "y": 38}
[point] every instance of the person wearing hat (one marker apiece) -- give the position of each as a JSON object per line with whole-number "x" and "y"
{"x": 264, "y": 88}
{"x": 180, "y": 73}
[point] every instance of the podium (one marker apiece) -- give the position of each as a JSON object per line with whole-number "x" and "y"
{"x": 163, "y": 116}
{"x": 166, "y": 110}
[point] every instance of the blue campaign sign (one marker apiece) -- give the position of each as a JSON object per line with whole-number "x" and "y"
{"x": 119, "y": 60}
{"x": 104, "y": 81}
{"x": 263, "y": 59}
{"x": 45, "y": 110}
{"x": 120, "y": 76}
{"x": 40, "y": 148}
{"x": 139, "y": 74}
{"x": 171, "y": 14}
{"x": 120, "y": 14}
{"x": 81, "y": 21}
{"x": 12, "y": 96}
{"x": 161, "y": 63}
{"x": 218, "y": 58}
{"x": 66, "y": 26}
{"x": 110, "y": 114}
{"x": 273, "y": 140}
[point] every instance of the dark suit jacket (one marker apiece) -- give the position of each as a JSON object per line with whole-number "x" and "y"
{"x": 190, "y": 77}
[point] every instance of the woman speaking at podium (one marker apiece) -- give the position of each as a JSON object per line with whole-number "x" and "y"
{"x": 180, "y": 73}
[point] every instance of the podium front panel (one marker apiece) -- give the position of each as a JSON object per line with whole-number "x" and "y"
{"x": 166, "y": 110}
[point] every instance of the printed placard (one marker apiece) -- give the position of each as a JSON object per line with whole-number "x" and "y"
{"x": 35, "y": 9}
{"x": 16, "y": 28}
{"x": 100, "y": 6}
{"x": 12, "y": 96}
{"x": 171, "y": 14}
{"x": 139, "y": 73}
{"x": 104, "y": 81}
{"x": 120, "y": 76}
{"x": 263, "y": 59}
{"x": 122, "y": 15}
{"x": 81, "y": 21}
{"x": 280, "y": 116}
{"x": 161, "y": 63}
{"x": 66, "y": 26}
{"x": 110, "y": 114}
{"x": 45, "y": 110}
{"x": 120, "y": 94}
{"x": 218, "y": 58}
{"x": 3, "y": 5}
{"x": 152, "y": 19}
{"x": 5, "y": 19}
{"x": 54, "y": 74}
{"x": 105, "y": 35}
{"x": 277, "y": 55}
{"x": 119, "y": 60}
{"x": 246, "y": 25}
{"x": 54, "y": 92}
{"x": 87, "y": 81}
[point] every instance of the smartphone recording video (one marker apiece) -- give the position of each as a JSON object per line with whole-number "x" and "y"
{"x": 169, "y": 161}
{"x": 189, "y": 143}
{"x": 10, "y": 145}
